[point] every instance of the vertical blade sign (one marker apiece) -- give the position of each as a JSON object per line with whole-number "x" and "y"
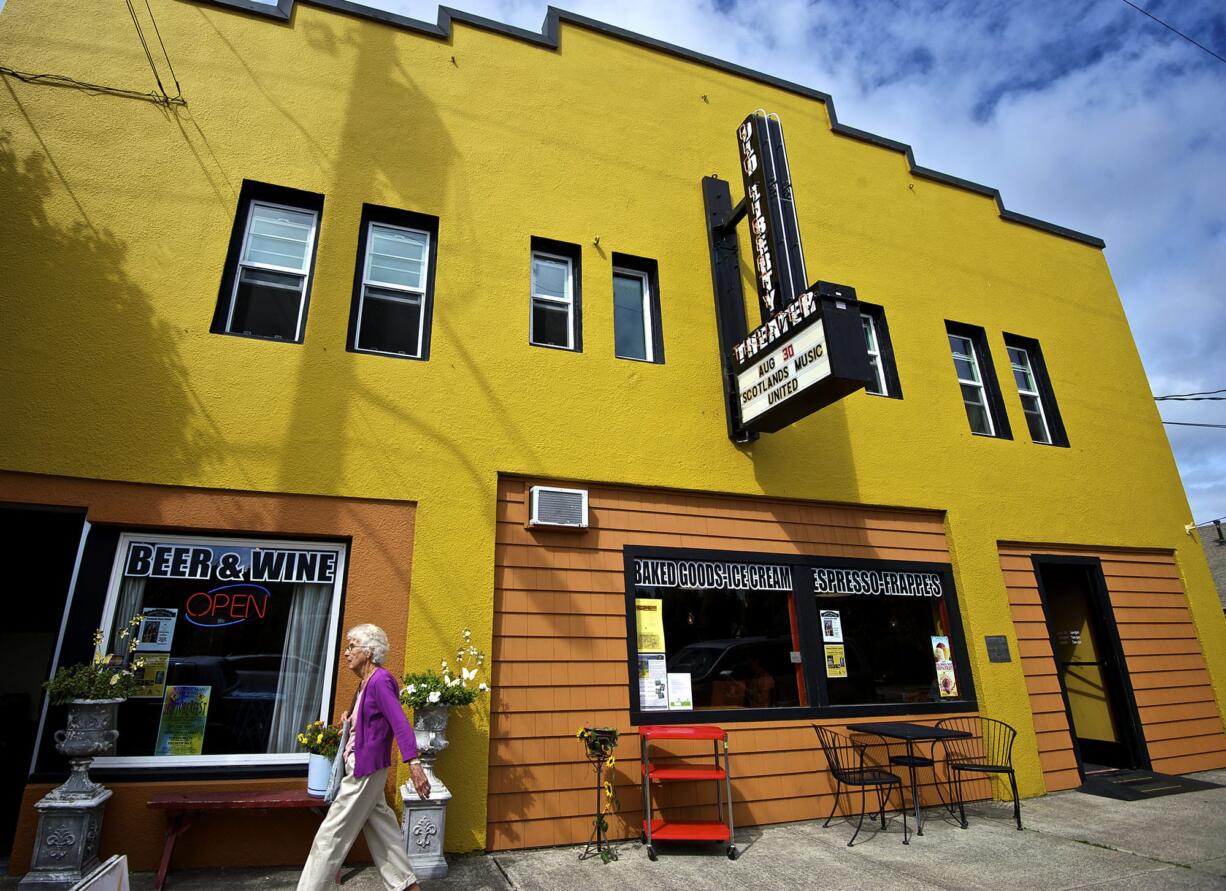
{"x": 773, "y": 229}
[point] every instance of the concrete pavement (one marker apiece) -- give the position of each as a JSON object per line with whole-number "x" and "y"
{"x": 1070, "y": 841}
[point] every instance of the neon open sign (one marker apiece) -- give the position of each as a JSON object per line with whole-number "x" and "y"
{"x": 227, "y": 605}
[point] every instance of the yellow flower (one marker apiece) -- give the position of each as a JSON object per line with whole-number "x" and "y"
{"x": 114, "y": 680}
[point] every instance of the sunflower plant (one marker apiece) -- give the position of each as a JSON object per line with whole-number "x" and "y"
{"x": 106, "y": 676}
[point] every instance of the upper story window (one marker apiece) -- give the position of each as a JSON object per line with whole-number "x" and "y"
{"x": 394, "y": 284}
{"x": 884, "y": 380}
{"x": 555, "y": 318}
{"x": 980, "y": 392}
{"x": 265, "y": 289}
{"x": 636, "y": 310}
{"x": 1034, "y": 390}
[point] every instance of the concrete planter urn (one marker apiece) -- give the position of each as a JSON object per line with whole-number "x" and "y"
{"x": 425, "y": 820}
{"x": 70, "y": 816}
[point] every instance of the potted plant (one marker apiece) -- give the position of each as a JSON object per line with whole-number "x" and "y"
{"x": 93, "y": 691}
{"x": 322, "y": 741}
{"x": 432, "y": 694}
{"x": 599, "y": 744}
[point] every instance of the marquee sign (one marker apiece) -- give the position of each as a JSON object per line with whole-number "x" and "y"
{"x": 809, "y": 350}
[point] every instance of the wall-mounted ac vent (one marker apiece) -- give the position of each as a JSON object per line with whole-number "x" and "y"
{"x": 558, "y": 508}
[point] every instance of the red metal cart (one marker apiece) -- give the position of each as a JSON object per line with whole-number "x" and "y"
{"x": 659, "y": 829}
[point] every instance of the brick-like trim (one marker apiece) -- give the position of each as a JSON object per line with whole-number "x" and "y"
{"x": 549, "y": 38}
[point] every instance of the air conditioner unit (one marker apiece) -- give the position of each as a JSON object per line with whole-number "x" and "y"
{"x": 554, "y": 508}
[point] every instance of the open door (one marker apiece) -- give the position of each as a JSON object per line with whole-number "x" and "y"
{"x": 1098, "y": 697}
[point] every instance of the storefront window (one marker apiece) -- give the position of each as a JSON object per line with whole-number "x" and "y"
{"x": 885, "y": 636}
{"x": 238, "y": 640}
{"x": 716, "y": 635}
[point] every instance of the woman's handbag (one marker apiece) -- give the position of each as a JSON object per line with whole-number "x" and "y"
{"x": 338, "y": 764}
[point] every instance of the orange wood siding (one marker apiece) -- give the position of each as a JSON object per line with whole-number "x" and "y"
{"x": 1179, "y": 717}
{"x": 560, "y": 655}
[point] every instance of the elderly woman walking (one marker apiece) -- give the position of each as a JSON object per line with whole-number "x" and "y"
{"x": 360, "y": 804}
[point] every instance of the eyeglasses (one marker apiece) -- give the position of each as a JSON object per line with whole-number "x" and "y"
{"x": 349, "y": 647}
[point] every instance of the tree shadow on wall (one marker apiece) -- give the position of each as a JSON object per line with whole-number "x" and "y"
{"x": 93, "y": 378}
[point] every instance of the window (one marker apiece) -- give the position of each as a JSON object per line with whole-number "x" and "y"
{"x": 555, "y": 312}
{"x": 268, "y": 271}
{"x": 980, "y": 392}
{"x": 636, "y": 310}
{"x": 884, "y": 380}
{"x": 394, "y": 283}
{"x": 239, "y": 643}
{"x": 1034, "y": 390}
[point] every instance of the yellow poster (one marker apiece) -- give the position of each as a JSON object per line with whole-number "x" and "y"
{"x": 836, "y": 661}
{"x": 649, "y": 620}
{"x": 151, "y": 679}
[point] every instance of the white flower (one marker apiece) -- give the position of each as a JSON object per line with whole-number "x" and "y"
{"x": 454, "y": 682}
{"x": 470, "y": 674}
{"x": 447, "y": 678}
{"x": 468, "y": 635}
{"x": 434, "y": 697}
{"x": 412, "y": 689}
{"x": 482, "y": 687}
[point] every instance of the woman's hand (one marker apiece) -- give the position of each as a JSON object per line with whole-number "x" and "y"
{"x": 418, "y": 775}
{"x": 344, "y": 717}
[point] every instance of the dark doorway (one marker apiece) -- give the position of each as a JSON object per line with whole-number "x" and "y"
{"x": 1098, "y": 698}
{"x": 38, "y": 549}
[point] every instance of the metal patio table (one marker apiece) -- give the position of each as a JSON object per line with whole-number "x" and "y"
{"x": 910, "y": 733}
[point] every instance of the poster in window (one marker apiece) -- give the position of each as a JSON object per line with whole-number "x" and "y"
{"x": 649, "y": 619}
{"x": 151, "y": 677}
{"x": 157, "y": 630}
{"x": 680, "y": 691}
{"x": 947, "y": 682}
{"x": 185, "y": 711}
{"x": 653, "y": 682}
{"x": 832, "y": 626}
{"x": 836, "y": 661}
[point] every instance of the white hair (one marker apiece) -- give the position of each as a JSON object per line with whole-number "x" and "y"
{"x": 373, "y": 638}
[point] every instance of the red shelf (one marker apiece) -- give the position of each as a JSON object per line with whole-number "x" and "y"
{"x": 682, "y": 731}
{"x": 686, "y": 773}
{"x": 697, "y": 830}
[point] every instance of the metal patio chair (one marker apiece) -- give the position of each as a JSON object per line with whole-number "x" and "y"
{"x": 989, "y": 749}
{"x": 846, "y": 758}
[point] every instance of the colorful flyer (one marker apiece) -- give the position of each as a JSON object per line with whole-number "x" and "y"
{"x": 649, "y": 619}
{"x": 653, "y": 682}
{"x": 942, "y": 655}
{"x": 680, "y": 692}
{"x": 151, "y": 679}
{"x": 832, "y": 626}
{"x": 185, "y": 711}
{"x": 836, "y": 661}
{"x": 157, "y": 630}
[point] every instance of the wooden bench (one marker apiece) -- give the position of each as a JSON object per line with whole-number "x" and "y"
{"x": 182, "y": 809}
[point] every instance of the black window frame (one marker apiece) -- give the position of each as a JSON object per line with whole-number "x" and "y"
{"x": 651, "y": 269}
{"x": 993, "y": 398}
{"x": 1047, "y": 395}
{"x": 573, "y": 253}
{"x": 253, "y": 191}
{"x": 811, "y": 643}
{"x": 885, "y": 351}
{"x": 408, "y": 219}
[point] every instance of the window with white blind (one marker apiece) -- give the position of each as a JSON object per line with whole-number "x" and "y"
{"x": 553, "y": 317}
{"x": 391, "y": 312}
{"x": 270, "y": 289}
{"x": 970, "y": 379}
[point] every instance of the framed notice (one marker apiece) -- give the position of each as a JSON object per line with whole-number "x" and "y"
{"x": 653, "y": 682}
{"x": 649, "y": 622}
{"x": 185, "y": 711}
{"x": 947, "y": 681}
{"x": 836, "y": 661}
{"x": 832, "y": 626}
{"x": 680, "y": 692}
{"x": 151, "y": 679}
{"x": 157, "y": 630}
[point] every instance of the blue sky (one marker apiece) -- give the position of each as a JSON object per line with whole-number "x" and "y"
{"x": 1089, "y": 115}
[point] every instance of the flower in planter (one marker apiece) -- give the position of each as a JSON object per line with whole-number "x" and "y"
{"x": 320, "y": 738}
{"x": 106, "y": 676}
{"x": 442, "y": 687}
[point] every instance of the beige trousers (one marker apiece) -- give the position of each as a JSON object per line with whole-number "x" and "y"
{"x": 359, "y": 805}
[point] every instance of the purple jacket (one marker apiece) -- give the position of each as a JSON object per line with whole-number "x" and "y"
{"x": 379, "y": 716}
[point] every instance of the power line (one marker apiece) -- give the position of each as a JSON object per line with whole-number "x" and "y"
{"x": 169, "y": 64}
{"x": 1188, "y": 395}
{"x": 1175, "y": 30}
{"x": 62, "y": 80}
{"x": 1189, "y": 424}
{"x": 1190, "y": 399}
{"x": 1211, "y": 522}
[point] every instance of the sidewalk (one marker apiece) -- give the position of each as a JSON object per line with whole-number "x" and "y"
{"x": 1071, "y": 840}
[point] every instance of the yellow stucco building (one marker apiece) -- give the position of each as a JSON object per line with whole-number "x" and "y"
{"x": 355, "y": 287}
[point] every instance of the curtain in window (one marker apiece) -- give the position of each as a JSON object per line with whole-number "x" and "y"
{"x": 300, "y": 687}
{"x": 131, "y": 597}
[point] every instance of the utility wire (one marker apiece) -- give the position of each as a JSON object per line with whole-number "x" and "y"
{"x": 1190, "y": 398}
{"x": 1211, "y": 522}
{"x": 1189, "y": 424}
{"x": 169, "y": 64}
{"x": 1188, "y": 395}
{"x": 1175, "y": 30}
{"x": 61, "y": 80}
{"x": 145, "y": 46}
